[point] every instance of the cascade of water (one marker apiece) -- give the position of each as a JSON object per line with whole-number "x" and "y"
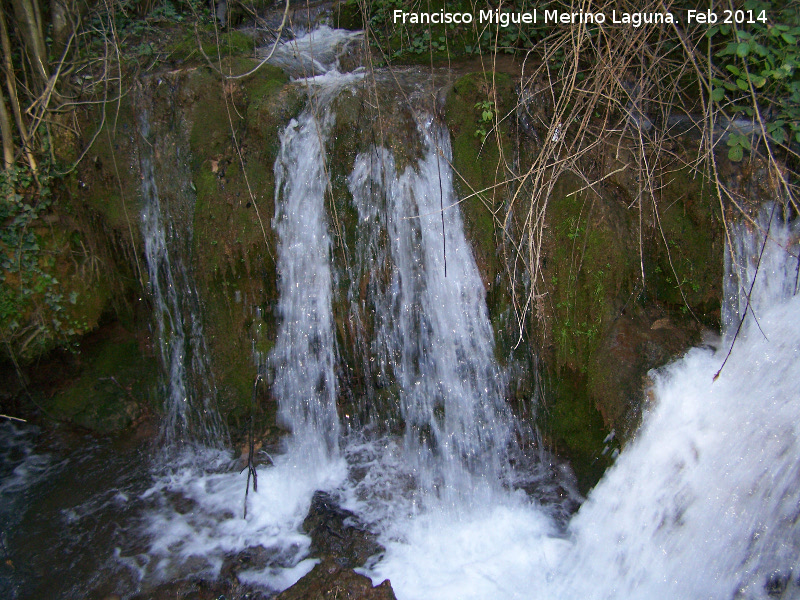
{"x": 432, "y": 332}
{"x": 314, "y": 53}
{"x": 759, "y": 253}
{"x": 301, "y": 368}
{"x": 189, "y": 404}
{"x": 304, "y": 355}
{"x": 704, "y": 503}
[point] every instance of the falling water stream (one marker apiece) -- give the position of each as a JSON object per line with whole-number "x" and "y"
{"x": 189, "y": 412}
{"x": 703, "y": 503}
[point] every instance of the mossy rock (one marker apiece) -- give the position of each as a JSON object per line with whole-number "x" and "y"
{"x": 223, "y": 45}
{"x": 605, "y": 330}
{"x": 103, "y": 180}
{"x": 234, "y": 246}
{"x": 589, "y": 270}
{"x": 117, "y": 383}
{"x": 588, "y": 273}
{"x": 479, "y": 163}
{"x": 347, "y": 15}
{"x": 574, "y": 428}
{"x": 686, "y": 268}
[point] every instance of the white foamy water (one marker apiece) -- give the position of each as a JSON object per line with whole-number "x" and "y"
{"x": 314, "y": 53}
{"x": 703, "y": 504}
{"x": 198, "y": 519}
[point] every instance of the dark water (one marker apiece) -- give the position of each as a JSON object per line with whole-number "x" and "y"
{"x": 68, "y": 504}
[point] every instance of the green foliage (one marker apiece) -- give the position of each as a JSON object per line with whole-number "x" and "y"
{"x": 761, "y": 73}
{"x": 164, "y": 31}
{"x": 408, "y": 42}
{"x": 32, "y": 303}
{"x": 486, "y": 112}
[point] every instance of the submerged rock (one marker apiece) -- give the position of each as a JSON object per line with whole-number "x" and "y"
{"x": 196, "y": 589}
{"x": 330, "y": 580}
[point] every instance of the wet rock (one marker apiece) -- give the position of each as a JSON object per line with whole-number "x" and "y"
{"x": 776, "y": 584}
{"x": 330, "y": 580}
{"x": 337, "y": 533}
{"x": 187, "y": 590}
{"x": 255, "y": 558}
{"x": 630, "y": 349}
{"x": 106, "y": 388}
{"x": 183, "y": 505}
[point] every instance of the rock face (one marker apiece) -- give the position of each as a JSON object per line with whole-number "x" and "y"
{"x": 329, "y": 581}
{"x": 337, "y": 534}
{"x": 623, "y": 284}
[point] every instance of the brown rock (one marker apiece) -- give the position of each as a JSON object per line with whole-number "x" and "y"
{"x": 337, "y": 533}
{"x": 328, "y": 580}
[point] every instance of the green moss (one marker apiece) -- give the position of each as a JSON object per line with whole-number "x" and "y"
{"x": 589, "y": 268}
{"x": 112, "y": 192}
{"x": 347, "y": 15}
{"x": 211, "y": 128}
{"x": 589, "y": 273}
{"x": 479, "y": 164}
{"x": 116, "y": 384}
{"x": 266, "y": 84}
{"x": 573, "y": 426}
{"x": 231, "y": 43}
{"x": 599, "y": 341}
{"x": 685, "y": 270}
{"x": 233, "y": 244}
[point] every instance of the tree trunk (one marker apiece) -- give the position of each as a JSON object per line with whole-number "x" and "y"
{"x": 5, "y": 129}
{"x": 30, "y": 26}
{"x": 60, "y": 22}
{"x": 11, "y": 85}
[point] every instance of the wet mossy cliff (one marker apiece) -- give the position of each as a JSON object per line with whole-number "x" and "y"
{"x": 624, "y": 286}
{"x": 215, "y": 145}
{"x": 624, "y": 289}
{"x": 212, "y": 147}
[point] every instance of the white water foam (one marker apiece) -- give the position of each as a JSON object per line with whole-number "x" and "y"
{"x": 705, "y": 503}
{"x": 198, "y": 518}
{"x": 314, "y": 53}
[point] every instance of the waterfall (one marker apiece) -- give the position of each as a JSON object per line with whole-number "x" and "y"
{"x": 704, "y": 503}
{"x": 304, "y": 356}
{"x": 759, "y": 254}
{"x": 190, "y": 395}
{"x": 432, "y": 332}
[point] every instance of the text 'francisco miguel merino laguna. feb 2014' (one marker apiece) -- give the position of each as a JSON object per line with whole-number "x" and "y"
{"x": 556, "y": 17}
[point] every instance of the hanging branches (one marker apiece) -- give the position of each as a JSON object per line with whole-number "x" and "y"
{"x": 633, "y": 92}
{"x": 251, "y": 442}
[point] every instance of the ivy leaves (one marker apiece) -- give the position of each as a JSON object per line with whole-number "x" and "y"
{"x": 761, "y": 73}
